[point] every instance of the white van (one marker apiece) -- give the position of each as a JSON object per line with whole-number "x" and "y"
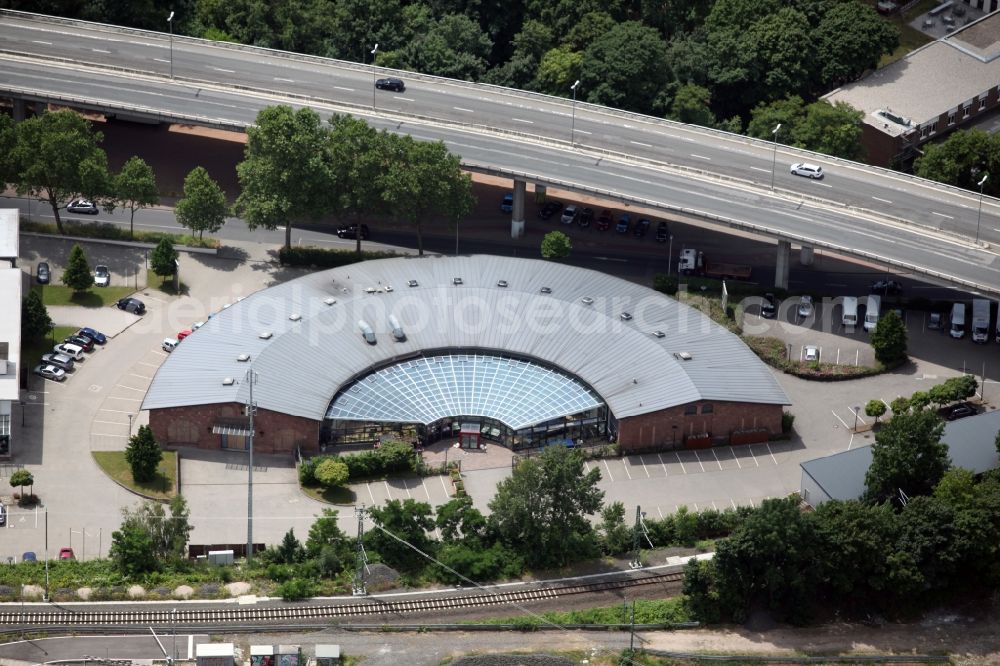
{"x": 957, "y": 328}
{"x": 872, "y": 312}
{"x": 850, "y": 306}
{"x": 980, "y": 320}
{"x": 170, "y": 344}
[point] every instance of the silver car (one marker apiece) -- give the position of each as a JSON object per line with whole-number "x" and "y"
{"x": 59, "y": 360}
{"x": 50, "y": 372}
{"x": 75, "y": 352}
{"x": 807, "y": 170}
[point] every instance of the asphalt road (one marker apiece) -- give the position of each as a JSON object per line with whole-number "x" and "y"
{"x": 526, "y": 134}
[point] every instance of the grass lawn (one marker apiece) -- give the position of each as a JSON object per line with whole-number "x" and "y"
{"x": 54, "y": 294}
{"x": 910, "y": 38}
{"x": 164, "y": 486}
{"x": 334, "y": 496}
{"x": 32, "y": 350}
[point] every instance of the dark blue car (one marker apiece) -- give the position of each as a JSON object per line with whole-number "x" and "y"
{"x": 96, "y": 336}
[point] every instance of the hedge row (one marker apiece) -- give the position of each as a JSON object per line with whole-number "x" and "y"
{"x": 773, "y": 351}
{"x": 323, "y": 258}
{"x": 389, "y": 458}
{"x": 107, "y": 231}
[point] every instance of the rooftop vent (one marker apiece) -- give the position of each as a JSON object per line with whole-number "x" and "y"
{"x": 412, "y": 283}
{"x": 369, "y": 290}
{"x": 894, "y": 117}
{"x": 626, "y": 316}
{"x": 546, "y": 290}
{"x": 388, "y": 288}
{"x": 330, "y": 301}
{"x": 295, "y": 316}
{"x": 226, "y": 306}
{"x": 587, "y": 300}
{"x": 684, "y": 356}
{"x": 659, "y": 334}
{"x": 243, "y": 358}
{"x": 266, "y": 335}
{"x": 456, "y": 281}
{"x": 228, "y": 381}
{"x": 501, "y": 283}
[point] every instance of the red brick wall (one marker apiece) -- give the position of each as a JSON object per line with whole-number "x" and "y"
{"x": 192, "y": 426}
{"x": 668, "y": 427}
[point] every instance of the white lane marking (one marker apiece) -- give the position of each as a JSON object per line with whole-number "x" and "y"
{"x": 522, "y": 120}
{"x": 224, "y": 71}
{"x": 343, "y": 88}
{"x": 579, "y": 131}
{"x": 459, "y": 108}
{"x": 684, "y": 471}
{"x": 278, "y": 78}
{"x": 934, "y": 212}
{"x": 640, "y": 143}
{"x": 100, "y": 50}
{"x": 161, "y": 60}
{"x": 609, "y": 471}
{"x": 761, "y": 169}
{"x": 38, "y": 41}
{"x": 701, "y": 157}
{"x": 881, "y": 199}
{"x": 405, "y": 99}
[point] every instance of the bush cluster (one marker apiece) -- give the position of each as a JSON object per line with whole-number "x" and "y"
{"x": 773, "y": 351}
{"x": 391, "y": 457}
{"x": 323, "y": 258}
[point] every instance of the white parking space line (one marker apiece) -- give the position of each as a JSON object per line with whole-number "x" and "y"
{"x": 586, "y": 467}
{"x": 388, "y": 491}
{"x": 38, "y": 41}
{"x": 443, "y": 486}
{"x": 665, "y": 473}
{"x": 131, "y": 388}
{"x": 713, "y": 506}
{"x": 405, "y": 99}
{"x": 750, "y": 449}
{"x": 717, "y": 459}
{"x": 736, "y": 458}
{"x": 116, "y": 411}
{"x": 100, "y": 50}
{"x": 152, "y": 365}
{"x": 139, "y": 376}
{"x": 850, "y": 442}
{"x": 659, "y": 512}
{"x": 118, "y": 423}
{"x": 698, "y": 458}
{"x": 370, "y": 493}
{"x": 580, "y": 131}
{"x": 772, "y": 454}
{"x": 408, "y": 494}
{"x": 683, "y": 471}
{"x": 115, "y": 397}
{"x": 840, "y": 419}
{"x": 733, "y": 502}
{"x": 426, "y": 491}
{"x": 696, "y": 509}
{"x": 625, "y": 465}
{"x": 609, "y": 471}
{"x": 104, "y": 434}
{"x": 161, "y": 60}
{"x": 644, "y": 467}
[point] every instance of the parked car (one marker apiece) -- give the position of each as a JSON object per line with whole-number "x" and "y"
{"x": 29, "y": 556}
{"x": 50, "y": 372}
{"x": 133, "y": 305}
{"x": 805, "y": 306}
{"x": 351, "y": 231}
{"x": 198, "y": 324}
{"x": 624, "y": 224}
{"x": 569, "y": 214}
{"x": 73, "y": 351}
{"x": 662, "y": 232}
{"x": 96, "y": 336}
{"x": 886, "y": 287}
{"x": 604, "y": 220}
{"x": 81, "y": 341}
{"x": 586, "y": 217}
{"x": 961, "y": 411}
{"x": 66, "y": 554}
{"x": 169, "y": 344}
{"x": 641, "y": 227}
{"x": 936, "y": 320}
{"x": 42, "y": 273}
{"x": 184, "y": 333}
{"x": 391, "y": 83}
{"x": 59, "y": 360}
{"x": 102, "y": 276}
{"x": 3, "y": 514}
{"x": 507, "y": 203}
{"x": 769, "y": 308}
{"x": 82, "y": 206}
{"x": 549, "y": 209}
{"x": 812, "y": 353}
{"x": 807, "y": 170}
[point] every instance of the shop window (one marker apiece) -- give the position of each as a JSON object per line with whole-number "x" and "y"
{"x": 707, "y": 409}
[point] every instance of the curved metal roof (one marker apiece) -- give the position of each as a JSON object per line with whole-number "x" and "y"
{"x": 303, "y": 339}
{"x": 514, "y": 391}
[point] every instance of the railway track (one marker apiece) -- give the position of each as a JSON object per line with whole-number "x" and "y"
{"x": 304, "y": 612}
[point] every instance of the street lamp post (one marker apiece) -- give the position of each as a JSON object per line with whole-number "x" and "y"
{"x": 173, "y": 618}
{"x": 979, "y": 219}
{"x": 170, "y": 26}
{"x": 856, "y": 409}
{"x": 774, "y": 154}
{"x": 670, "y": 254}
{"x": 129, "y": 425}
{"x": 572, "y": 130}
{"x": 374, "y": 51}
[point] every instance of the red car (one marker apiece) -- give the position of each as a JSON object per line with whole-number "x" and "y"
{"x": 183, "y": 334}
{"x": 66, "y": 554}
{"x": 604, "y": 221}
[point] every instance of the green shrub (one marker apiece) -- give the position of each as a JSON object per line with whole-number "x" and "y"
{"x": 324, "y": 258}
{"x": 296, "y": 589}
{"x": 787, "y": 421}
{"x": 279, "y": 573}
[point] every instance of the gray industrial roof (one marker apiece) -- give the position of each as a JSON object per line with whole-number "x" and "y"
{"x": 930, "y": 81}
{"x": 316, "y": 347}
{"x": 842, "y": 475}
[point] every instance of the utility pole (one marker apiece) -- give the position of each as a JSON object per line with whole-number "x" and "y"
{"x": 360, "y": 559}
{"x": 46, "y": 597}
{"x": 636, "y": 563}
{"x": 251, "y": 410}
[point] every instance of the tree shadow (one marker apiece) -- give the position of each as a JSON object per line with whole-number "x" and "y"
{"x": 86, "y": 299}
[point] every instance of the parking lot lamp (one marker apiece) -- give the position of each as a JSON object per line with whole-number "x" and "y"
{"x": 774, "y": 153}
{"x": 170, "y": 26}
{"x": 979, "y": 219}
{"x": 572, "y": 127}
{"x": 374, "y": 51}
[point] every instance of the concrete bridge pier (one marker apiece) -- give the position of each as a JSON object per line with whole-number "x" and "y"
{"x": 20, "y": 110}
{"x": 781, "y": 265}
{"x": 517, "y": 214}
{"x": 806, "y": 255}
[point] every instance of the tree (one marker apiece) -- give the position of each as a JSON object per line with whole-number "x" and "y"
{"x": 325, "y": 533}
{"x": 961, "y": 159}
{"x": 163, "y": 259}
{"x": 556, "y": 245}
{"x": 919, "y": 401}
{"x": 287, "y": 174}
{"x": 35, "y": 320}
{"x": 358, "y": 153}
{"x": 850, "y": 39}
{"x": 692, "y": 105}
{"x": 832, "y": 129}
{"x": 787, "y": 112}
{"x": 700, "y": 589}
{"x": 332, "y": 473}
{"x": 77, "y": 275}
{"x": 8, "y": 140}
{"x": 889, "y": 339}
{"x": 626, "y": 68}
{"x": 557, "y": 70}
{"x": 167, "y": 534}
{"x": 290, "y": 551}
{"x": 458, "y": 520}
{"x": 135, "y": 188}
{"x": 408, "y": 523}
{"x": 900, "y": 405}
{"x": 21, "y": 478}
{"x": 907, "y": 455}
{"x": 143, "y": 455}
{"x": 616, "y": 536}
{"x": 453, "y": 46}
{"x": 421, "y": 180}
{"x": 875, "y": 408}
{"x": 541, "y": 510}
{"x": 203, "y": 206}
{"x": 56, "y": 157}
{"x": 132, "y": 550}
